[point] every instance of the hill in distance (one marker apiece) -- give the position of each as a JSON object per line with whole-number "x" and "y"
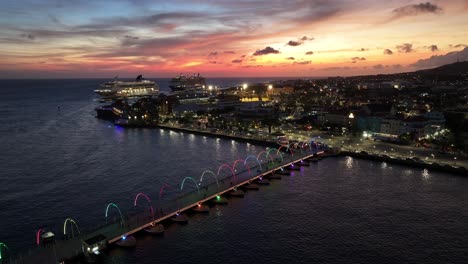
{"x": 457, "y": 68}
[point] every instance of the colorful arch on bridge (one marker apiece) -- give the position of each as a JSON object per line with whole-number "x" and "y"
{"x": 188, "y": 178}
{"x": 315, "y": 141}
{"x": 225, "y": 165}
{"x": 38, "y": 236}
{"x": 278, "y": 153}
{"x": 250, "y": 157}
{"x": 292, "y": 146}
{"x": 303, "y": 144}
{"x": 72, "y": 223}
{"x": 118, "y": 209}
{"x": 241, "y": 160}
{"x": 4, "y": 246}
{"x": 147, "y": 199}
{"x": 267, "y": 154}
{"x": 210, "y": 173}
{"x": 286, "y": 147}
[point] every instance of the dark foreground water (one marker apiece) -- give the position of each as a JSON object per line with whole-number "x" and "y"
{"x": 66, "y": 163}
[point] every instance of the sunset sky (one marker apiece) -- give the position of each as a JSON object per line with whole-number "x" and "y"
{"x": 223, "y": 38}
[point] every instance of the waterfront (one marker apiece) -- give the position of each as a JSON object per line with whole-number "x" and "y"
{"x": 65, "y": 163}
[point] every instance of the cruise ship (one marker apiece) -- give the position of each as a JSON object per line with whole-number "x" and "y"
{"x": 183, "y": 82}
{"x": 139, "y": 87}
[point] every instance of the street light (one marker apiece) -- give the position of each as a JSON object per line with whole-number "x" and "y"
{"x": 270, "y": 87}
{"x": 245, "y": 86}
{"x": 351, "y": 115}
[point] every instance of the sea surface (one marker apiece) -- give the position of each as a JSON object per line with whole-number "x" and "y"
{"x": 58, "y": 161}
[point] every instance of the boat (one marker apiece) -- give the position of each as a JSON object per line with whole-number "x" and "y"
{"x": 183, "y": 82}
{"x": 201, "y": 208}
{"x": 262, "y": 181}
{"x": 126, "y": 241}
{"x": 155, "y": 229}
{"x": 138, "y": 87}
{"x": 237, "y": 193}
{"x": 180, "y": 218}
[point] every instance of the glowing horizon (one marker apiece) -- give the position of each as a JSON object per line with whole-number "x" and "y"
{"x": 102, "y": 39}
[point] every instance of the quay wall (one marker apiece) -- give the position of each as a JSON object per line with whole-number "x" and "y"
{"x": 411, "y": 163}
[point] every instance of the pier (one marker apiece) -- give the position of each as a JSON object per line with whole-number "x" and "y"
{"x": 212, "y": 188}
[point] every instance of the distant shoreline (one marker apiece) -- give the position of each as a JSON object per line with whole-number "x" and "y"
{"x": 410, "y": 163}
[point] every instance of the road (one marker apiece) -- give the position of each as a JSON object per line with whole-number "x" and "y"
{"x": 350, "y": 143}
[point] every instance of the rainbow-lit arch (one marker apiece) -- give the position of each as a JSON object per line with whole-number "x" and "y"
{"x": 188, "y": 178}
{"x": 253, "y": 157}
{"x": 147, "y": 199}
{"x": 118, "y": 209}
{"x": 210, "y": 173}
{"x": 241, "y": 160}
{"x": 72, "y": 223}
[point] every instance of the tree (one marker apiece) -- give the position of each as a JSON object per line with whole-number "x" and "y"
{"x": 270, "y": 122}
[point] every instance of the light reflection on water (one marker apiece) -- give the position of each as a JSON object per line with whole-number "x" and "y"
{"x": 383, "y": 165}
{"x": 408, "y": 172}
{"x": 425, "y": 174}
{"x": 349, "y": 162}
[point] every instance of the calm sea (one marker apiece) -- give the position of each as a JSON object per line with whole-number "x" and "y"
{"x": 57, "y": 161}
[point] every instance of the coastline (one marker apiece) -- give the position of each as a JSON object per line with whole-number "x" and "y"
{"x": 255, "y": 141}
{"x": 335, "y": 152}
{"x": 410, "y": 163}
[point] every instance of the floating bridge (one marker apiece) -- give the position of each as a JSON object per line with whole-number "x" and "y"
{"x": 212, "y": 187}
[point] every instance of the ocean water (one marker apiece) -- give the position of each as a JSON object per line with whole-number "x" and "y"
{"x": 57, "y": 161}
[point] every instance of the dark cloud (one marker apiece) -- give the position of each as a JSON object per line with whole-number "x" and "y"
{"x": 309, "y": 53}
{"x": 378, "y": 66}
{"x": 298, "y": 42}
{"x": 356, "y": 59}
{"x": 405, "y": 48}
{"x": 290, "y": 58}
{"x": 294, "y": 43}
{"x": 305, "y": 38}
{"x": 265, "y": 51}
{"x": 214, "y": 62}
{"x": 337, "y": 68}
{"x": 432, "y": 48}
{"x": 236, "y": 61}
{"x": 302, "y": 62}
{"x": 252, "y": 66}
{"x": 243, "y": 56}
{"x": 363, "y": 49}
{"x": 131, "y": 37}
{"x": 230, "y": 52}
{"x": 388, "y": 52}
{"x": 458, "y": 46}
{"x": 396, "y": 66}
{"x": 439, "y": 60}
{"x": 417, "y": 9}
{"x": 213, "y": 53}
